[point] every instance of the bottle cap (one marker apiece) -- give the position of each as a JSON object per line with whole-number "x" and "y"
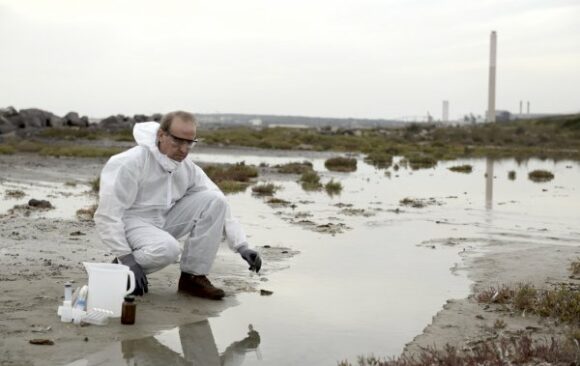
{"x": 129, "y": 298}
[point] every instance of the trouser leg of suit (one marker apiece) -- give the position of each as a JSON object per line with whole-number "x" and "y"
{"x": 153, "y": 248}
{"x": 201, "y": 216}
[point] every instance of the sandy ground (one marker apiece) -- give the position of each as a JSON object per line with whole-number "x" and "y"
{"x": 39, "y": 255}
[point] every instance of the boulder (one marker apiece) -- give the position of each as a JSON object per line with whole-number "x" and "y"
{"x": 157, "y": 117}
{"x": 73, "y": 119}
{"x": 6, "y": 126}
{"x": 37, "y": 118}
{"x": 118, "y": 122}
{"x": 141, "y": 118}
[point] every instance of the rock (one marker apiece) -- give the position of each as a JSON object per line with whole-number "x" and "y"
{"x": 157, "y": 117}
{"x": 6, "y": 126}
{"x": 141, "y": 118}
{"x": 73, "y": 119}
{"x": 41, "y": 342}
{"x": 266, "y": 292}
{"x": 118, "y": 122}
{"x": 39, "y": 203}
{"x": 38, "y": 118}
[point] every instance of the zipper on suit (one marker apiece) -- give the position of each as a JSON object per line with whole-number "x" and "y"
{"x": 169, "y": 189}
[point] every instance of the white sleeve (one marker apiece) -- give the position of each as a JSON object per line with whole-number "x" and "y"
{"x": 234, "y": 233}
{"x": 118, "y": 190}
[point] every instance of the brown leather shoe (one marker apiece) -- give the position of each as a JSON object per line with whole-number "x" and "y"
{"x": 199, "y": 286}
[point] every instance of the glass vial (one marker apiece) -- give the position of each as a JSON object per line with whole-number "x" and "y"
{"x": 68, "y": 292}
{"x": 128, "y": 311}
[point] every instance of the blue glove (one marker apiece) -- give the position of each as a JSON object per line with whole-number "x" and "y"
{"x": 141, "y": 283}
{"x": 252, "y": 257}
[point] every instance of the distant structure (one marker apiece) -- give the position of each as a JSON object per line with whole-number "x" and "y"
{"x": 445, "y": 114}
{"x": 528, "y": 111}
{"x": 521, "y": 106}
{"x": 491, "y": 88}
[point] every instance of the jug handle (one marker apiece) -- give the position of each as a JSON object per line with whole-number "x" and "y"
{"x": 131, "y": 282}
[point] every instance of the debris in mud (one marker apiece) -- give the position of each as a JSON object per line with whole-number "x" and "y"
{"x": 41, "y": 342}
{"x": 331, "y": 228}
{"x": 278, "y": 202}
{"x": 266, "y": 292}
{"x": 419, "y": 202}
{"x": 302, "y": 215}
{"x": 87, "y": 213}
{"x": 343, "y": 205}
{"x": 14, "y": 193}
{"x": 33, "y": 202}
{"x": 77, "y": 233}
{"x": 356, "y": 212}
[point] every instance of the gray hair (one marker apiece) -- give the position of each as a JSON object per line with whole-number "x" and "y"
{"x": 182, "y": 115}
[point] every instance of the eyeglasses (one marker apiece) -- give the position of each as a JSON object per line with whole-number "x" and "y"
{"x": 178, "y": 141}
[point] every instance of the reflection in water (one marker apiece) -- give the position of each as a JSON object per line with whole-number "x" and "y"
{"x": 489, "y": 183}
{"x": 197, "y": 343}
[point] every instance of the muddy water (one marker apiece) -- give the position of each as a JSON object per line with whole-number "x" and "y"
{"x": 375, "y": 284}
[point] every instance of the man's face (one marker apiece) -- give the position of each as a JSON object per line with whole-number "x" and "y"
{"x": 177, "y": 142}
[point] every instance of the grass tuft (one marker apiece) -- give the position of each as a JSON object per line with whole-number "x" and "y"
{"x": 333, "y": 187}
{"x": 266, "y": 189}
{"x": 310, "y": 181}
{"x": 232, "y": 178}
{"x": 462, "y": 168}
{"x": 295, "y": 167}
{"x": 512, "y": 175}
{"x": 340, "y": 164}
{"x": 540, "y": 176}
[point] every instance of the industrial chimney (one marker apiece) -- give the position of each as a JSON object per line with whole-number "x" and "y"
{"x": 491, "y": 90}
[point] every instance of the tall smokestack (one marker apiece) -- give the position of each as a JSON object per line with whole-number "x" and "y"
{"x": 445, "y": 115}
{"x": 528, "y": 107}
{"x": 521, "y": 106}
{"x": 492, "y": 64}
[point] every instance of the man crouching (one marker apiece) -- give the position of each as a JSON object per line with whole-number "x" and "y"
{"x": 151, "y": 195}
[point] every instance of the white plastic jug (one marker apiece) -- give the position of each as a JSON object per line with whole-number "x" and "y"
{"x": 108, "y": 286}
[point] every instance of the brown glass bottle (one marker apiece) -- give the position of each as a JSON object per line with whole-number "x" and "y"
{"x": 128, "y": 311}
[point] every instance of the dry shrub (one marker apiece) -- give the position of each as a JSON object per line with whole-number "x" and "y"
{"x": 505, "y": 351}
{"x": 310, "y": 181}
{"x": 462, "y": 168}
{"x": 500, "y": 295}
{"x": 540, "y": 176}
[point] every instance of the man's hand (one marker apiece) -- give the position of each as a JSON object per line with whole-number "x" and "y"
{"x": 141, "y": 283}
{"x": 252, "y": 257}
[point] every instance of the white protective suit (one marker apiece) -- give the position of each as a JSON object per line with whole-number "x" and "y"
{"x": 147, "y": 201}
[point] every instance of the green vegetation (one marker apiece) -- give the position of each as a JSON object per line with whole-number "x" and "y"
{"x": 557, "y": 137}
{"x": 72, "y": 134}
{"x": 340, "y": 164}
{"x": 333, "y": 187}
{"x": 60, "y": 149}
{"x": 295, "y": 167}
{"x": 512, "y": 175}
{"x": 7, "y": 150}
{"x": 540, "y": 176}
{"x": 380, "y": 159}
{"x": 266, "y": 189}
{"x": 231, "y": 178}
{"x": 462, "y": 168}
{"x": 310, "y": 181}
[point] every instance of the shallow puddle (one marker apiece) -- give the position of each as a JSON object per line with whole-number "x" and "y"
{"x": 374, "y": 285}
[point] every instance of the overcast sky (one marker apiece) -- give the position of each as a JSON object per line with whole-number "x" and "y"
{"x": 334, "y": 58}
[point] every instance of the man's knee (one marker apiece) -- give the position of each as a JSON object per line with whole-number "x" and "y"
{"x": 155, "y": 257}
{"x": 217, "y": 202}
